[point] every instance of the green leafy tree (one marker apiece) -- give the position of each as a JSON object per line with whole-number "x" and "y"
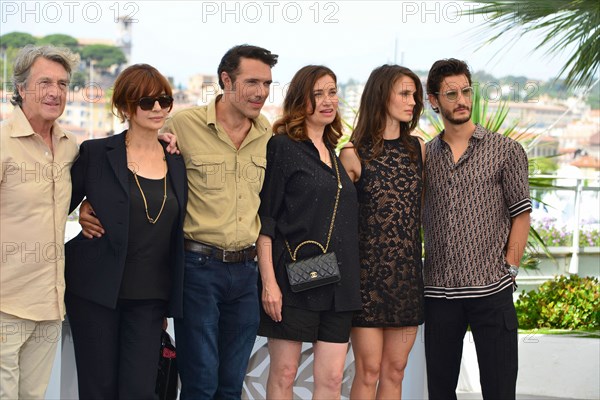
{"x": 11, "y": 54}
{"x": 60, "y": 40}
{"x": 78, "y": 79}
{"x": 16, "y": 40}
{"x": 481, "y": 76}
{"x": 566, "y": 25}
{"x": 104, "y": 55}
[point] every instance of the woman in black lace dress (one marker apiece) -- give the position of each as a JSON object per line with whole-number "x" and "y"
{"x": 386, "y": 164}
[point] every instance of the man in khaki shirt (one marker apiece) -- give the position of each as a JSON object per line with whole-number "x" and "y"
{"x": 35, "y": 190}
{"x": 224, "y": 148}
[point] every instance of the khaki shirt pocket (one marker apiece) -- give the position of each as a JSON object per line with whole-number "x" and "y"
{"x": 207, "y": 171}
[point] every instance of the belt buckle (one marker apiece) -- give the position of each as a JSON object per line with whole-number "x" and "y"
{"x": 229, "y": 256}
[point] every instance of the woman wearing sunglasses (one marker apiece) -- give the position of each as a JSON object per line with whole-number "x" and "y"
{"x": 122, "y": 285}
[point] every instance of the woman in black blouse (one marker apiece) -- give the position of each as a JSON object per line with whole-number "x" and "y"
{"x": 122, "y": 285}
{"x": 297, "y": 204}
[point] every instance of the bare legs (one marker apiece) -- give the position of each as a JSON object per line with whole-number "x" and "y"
{"x": 329, "y": 369}
{"x": 329, "y": 359}
{"x": 380, "y": 356}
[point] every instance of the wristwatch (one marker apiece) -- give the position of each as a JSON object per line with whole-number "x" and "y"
{"x": 513, "y": 270}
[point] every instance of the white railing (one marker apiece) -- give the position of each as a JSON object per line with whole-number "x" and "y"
{"x": 579, "y": 186}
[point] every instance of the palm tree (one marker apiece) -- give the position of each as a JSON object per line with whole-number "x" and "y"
{"x": 567, "y": 25}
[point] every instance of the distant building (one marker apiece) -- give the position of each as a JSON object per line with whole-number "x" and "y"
{"x": 542, "y": 114}
{"x": 88, "y": 114}
{"x": 350, "y": 94}
{"x": 89, "y": 41}
{"x": 124, "y": 37}
{"x": 203, "y": 88}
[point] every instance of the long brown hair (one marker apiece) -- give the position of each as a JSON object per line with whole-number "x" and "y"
{"x": 372, "y": 115}
{"x": 299, "y": 95}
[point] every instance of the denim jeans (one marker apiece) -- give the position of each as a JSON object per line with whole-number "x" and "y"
{"x": 218, "y": 329}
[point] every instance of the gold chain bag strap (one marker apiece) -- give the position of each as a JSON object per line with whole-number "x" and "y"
{"x": 318, "y": 270}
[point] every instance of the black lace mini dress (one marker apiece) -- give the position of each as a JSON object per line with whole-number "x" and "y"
{"x": 391, "y": 280}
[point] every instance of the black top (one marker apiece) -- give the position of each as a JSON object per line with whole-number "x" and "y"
{"x": 297, "y": 201}
{"x": 389, "y": 190}
{"x": 146, "y": 274}
{"x": 94, "y": 267}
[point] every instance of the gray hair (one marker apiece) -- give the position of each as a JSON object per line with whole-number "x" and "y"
{"x": 27, "y": 56}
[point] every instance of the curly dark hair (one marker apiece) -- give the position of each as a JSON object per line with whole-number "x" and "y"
{"x": 444, "y": 68}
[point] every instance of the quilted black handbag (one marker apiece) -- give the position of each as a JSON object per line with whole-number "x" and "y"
{"x": 319, "y": 270}
{"x": 313, "y": 272}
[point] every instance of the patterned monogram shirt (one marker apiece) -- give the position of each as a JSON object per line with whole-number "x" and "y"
{"x": 467, "y": 214}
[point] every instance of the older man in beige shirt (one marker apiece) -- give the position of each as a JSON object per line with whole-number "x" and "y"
{"x": 35, "y": 190}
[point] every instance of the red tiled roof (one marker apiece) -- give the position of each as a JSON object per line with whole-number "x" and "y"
{"x": 587, "y": 162}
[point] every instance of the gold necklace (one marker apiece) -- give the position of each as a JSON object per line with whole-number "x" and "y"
{"x": 150, "y": 219}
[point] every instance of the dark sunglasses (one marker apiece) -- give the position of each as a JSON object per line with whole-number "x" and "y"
{"x": 147, "y": 103}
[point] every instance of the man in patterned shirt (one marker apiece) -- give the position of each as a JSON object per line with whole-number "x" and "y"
{"x": 476, "y": 222}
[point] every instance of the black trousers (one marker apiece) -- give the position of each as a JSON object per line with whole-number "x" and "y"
{"x": 493, "y": 322}
{"x": 116, "y": 350}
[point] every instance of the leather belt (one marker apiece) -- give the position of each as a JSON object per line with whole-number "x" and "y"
{"x": 225, "y": 256}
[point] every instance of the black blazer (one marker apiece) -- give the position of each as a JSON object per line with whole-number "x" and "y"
{"x": 94, "y": 267}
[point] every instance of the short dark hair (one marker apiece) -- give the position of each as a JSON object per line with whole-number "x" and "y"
{"x": 135, "y": 82}
{"x": 444, "y": 68}
{"x": 230, "y": 62}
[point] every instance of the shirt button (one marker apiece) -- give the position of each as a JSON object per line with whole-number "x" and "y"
{"x": 240, "y": 196}
{"x": 240, "y": 218}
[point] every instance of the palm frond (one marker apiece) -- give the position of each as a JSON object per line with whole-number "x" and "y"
{"x": 566, "y": 25}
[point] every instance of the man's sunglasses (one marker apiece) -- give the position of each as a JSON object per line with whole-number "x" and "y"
{"x": 147, "y": 103}
{"x": 452, "y": 95}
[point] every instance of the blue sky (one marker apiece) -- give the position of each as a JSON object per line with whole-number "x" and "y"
{"x": 182, "y": 38}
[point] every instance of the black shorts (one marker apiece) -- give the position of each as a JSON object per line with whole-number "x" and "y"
{"x": 302, "y": 325}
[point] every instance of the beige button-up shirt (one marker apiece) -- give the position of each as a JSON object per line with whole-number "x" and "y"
{"x": 224, "y": 182}
{"x": 35, "y": 191}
